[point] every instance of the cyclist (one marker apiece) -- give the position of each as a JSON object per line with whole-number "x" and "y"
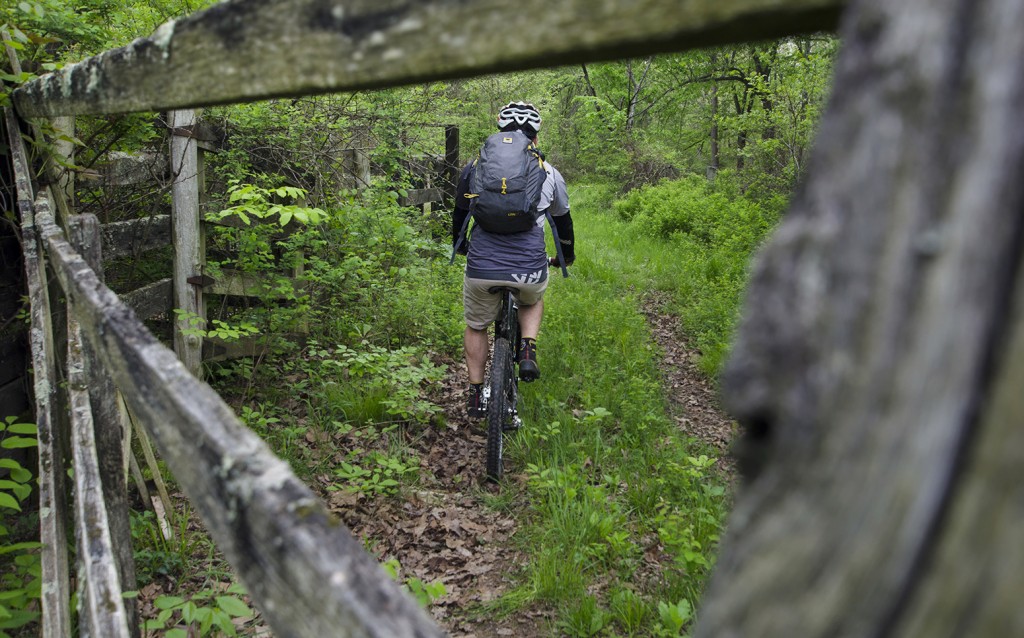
{"x": 517, "y": 260}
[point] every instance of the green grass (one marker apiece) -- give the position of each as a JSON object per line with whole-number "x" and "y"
{"x": 609, "y": 475}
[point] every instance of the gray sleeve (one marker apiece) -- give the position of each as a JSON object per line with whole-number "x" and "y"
{"x": 547, "y": 190}
{"x": 559, "y": 202}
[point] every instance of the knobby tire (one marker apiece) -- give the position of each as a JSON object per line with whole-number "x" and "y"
{"x": 502, "y": 369}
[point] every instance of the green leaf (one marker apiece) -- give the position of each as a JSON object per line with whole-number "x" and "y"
{"x": 17, "y": 547}
{"x": 223, "y": 621}
{"x": 10, "y": 464}
{"x": 18, "y": 473}
{"x": 6, "y": 500}
{"x": 286, "y": 216}
{"x": 176, "y": 633}
{"x": 168, "y": 602}
{"x": 233, "y": 606}
{"x": 188, "y": 612}
{"x": 20, "y": 489}
{"x": 16, "y": 442}
{"x": 8, "y": 595}
{"x": 23, "y": 428}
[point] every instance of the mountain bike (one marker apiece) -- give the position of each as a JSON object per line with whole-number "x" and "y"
{"x": 501, "y": 394}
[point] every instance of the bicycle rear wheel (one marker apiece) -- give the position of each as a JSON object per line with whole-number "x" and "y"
{"x": 499, "y": 406}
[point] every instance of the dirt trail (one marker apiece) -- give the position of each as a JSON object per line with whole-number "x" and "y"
{"x": 445, "y": 531}
{"x": 695, "y": 403}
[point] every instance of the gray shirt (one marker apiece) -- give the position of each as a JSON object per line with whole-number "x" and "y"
{"x": 518, "y": 256}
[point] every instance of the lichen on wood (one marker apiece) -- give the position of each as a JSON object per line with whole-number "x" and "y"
{"x": 243, "y": 50}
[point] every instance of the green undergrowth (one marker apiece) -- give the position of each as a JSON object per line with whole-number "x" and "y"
{"x": 624, "y": 511}
{"x": 619, "y": 512}
{"x": 690, "y": 239}
{"x": 20, "y": 569}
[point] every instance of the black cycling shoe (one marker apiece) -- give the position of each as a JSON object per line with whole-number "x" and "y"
{"x": 475, "y": 402}
{"x": 528, "y": 368}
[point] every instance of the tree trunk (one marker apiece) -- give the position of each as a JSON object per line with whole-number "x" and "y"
{"x": 880, "y": 359}
{"x": 713, "y": 165}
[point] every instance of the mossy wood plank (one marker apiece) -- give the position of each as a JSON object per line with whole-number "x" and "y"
{"x": 247, "y": 50}
{"x": 420, "y": 196}
{"x": 242, "y": 284}
{"x": 215, "y": 349}
{"x": 149, "y": 301}
{"x": 220, "y": 350}
{"x": 56, "y": 613}
{"x": 136, "y": 236}
{"x": 102, "y": 607}
{"x": 107, "y": 425}
{"x": 880, "y": 359}
{"x": 302, "y": 567}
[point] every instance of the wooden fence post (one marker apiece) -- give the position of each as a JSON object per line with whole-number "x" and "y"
{"x": 65, "y": 125}
{"x": 451, "y": 163}
{"x": 103, "y": 611}
{"x": 187, "y": 233}
{"x": 108, "y": 426}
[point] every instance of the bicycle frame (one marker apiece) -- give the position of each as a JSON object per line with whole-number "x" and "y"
{"x": 507, "y": 324}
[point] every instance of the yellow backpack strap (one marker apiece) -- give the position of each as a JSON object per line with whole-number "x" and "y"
{"x": 532, "y": 148}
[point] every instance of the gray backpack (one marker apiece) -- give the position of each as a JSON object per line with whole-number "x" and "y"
{"x": 505, "y": 185}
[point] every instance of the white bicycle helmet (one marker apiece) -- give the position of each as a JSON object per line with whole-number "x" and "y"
{"x": 521, "y": 115}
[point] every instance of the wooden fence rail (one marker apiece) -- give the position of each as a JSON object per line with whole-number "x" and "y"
{"x": 303, "y": 569}
{"x": 239, "y": 51}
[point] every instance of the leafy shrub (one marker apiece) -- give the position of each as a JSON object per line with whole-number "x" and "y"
{"x": 20, "y": 573}
{"x": 208, "y": 612}
{"x": 424, "y": 593}
{"x": 695, "y": 209}
{"x": 374, "y": 384}
{"x": 712, "y": 232}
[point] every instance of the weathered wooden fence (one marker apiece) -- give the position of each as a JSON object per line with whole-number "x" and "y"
{"x": 303, "y": 569}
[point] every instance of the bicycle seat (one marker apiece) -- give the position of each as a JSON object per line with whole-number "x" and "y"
{"x": 494, "y": 290}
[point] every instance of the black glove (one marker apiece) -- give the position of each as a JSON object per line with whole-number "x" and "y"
{"x": 566, "y": 237}
{"x": 458, "y": 222}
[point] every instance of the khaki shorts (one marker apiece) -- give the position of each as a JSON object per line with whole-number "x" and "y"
{"x": 481, "y": 307}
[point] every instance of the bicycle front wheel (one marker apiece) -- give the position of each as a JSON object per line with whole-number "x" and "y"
{"x": 499, "y": 406}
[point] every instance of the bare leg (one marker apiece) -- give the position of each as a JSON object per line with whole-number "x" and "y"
{"x": 529, "y": 319}
{"x": 475, "y": 342}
